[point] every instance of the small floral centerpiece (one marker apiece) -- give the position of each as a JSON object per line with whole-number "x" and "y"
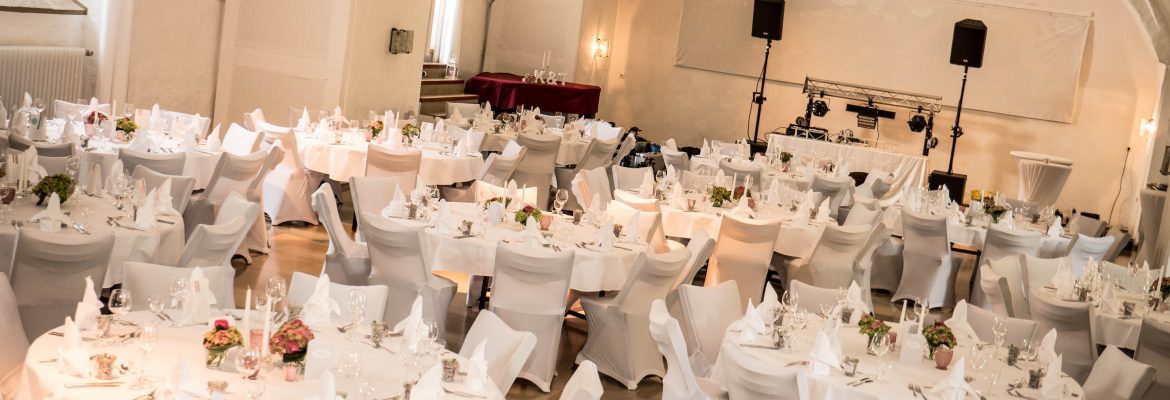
{"x": 785, "y": 157}
{"x": 937, "y": 335}
{"x": 409, "y": 133}
{"x": 126, "y": 128}
{"x": 505, "y": 200}
{"x": 375, "y": 128}
{"x": 718, "y": 195}
{"x": 995, "y": 211}
{"x": 61, "y": 184}
{"x": 95, "y": 118}
{"x": 872, "y": 327}
{"x": 527, "y": 211}
{"x": 218, "y": 340}
{"x": 1160, "y": 290}
{"x": 291, "y": 341}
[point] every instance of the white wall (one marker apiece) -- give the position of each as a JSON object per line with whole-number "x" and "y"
{"x": 174, "y": 53}
{"x": 375, "y": 79}
{"x": 1120, "y": 86}
{"x": 28, "y": 29}
{"x": 521, "y": 31}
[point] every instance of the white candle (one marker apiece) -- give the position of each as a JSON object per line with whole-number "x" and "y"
{"x": 113, "y": 107}
{"x": 902, "y": 318}
{"x": 248, "y": 318}
{"x": 267, "y": 320}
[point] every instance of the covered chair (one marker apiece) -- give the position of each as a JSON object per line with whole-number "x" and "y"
{"x": 707, "y": 312}
{"x": 929, "y": 270}
{"x": 680, "y": 381}
{"x": 181, "y": 186}
{"x": 1153, "y": 349}
{"x": 398, "y": 163}
{"x": 1117, "y": 377}
{"x": 505, "y": 351}
{"x": 834, "y": 258}
{"x": 1037, "y": 271}
{"x": 257, "y": 238}
{"x": 1120, "y": 241}
{"x": 701, "y": 247}
{"x": 535, "y": 169}
{"x": 302, "y": 285}
{"x": 1150, "y": 247}
{"x": 748, "y": 377}
{"x": 233, "y": 173}
{"x": 836, "y": 188}
{"x": 240, "y": 141}
{"x": 145, "y": 280}
{"x": 624, "y": 149}
{"x": 48, "y": 275}
{"x": 216, "y": 243}
{"x": 163, "y": 163}
{"x": 983, "y": 322}
{"x": 619, "y": 339}
{"x": 1002, "y": 284}
{"x": 1042, "y": 177}
{"x": 649, "y": 224}
{"x": 346, "y": 261}
{"x": 397, "y": 261}
{"x": 528, "y": 293}
{"x": 585, "y": 384}
{"x": 740, "y": 171}
{"x": 370, "y": 195}
{"x": 865, "y": 211}
{"x": 1082, "y": 248}
{"x": 498, "y": 168}
{"x": 12, "y": 340}
{"x": 587, "y": 184}
{"x": 287, "y": 188}
{"x": 1002, "y": 243}
{"x": 1074, "y": 339}
{"x": 629, "y": 179}
{"x": 812, "y": 298}
{"x": 1084, "y": 225}
{"x": 743, "y": 253}
{"x": 677, "y": 159}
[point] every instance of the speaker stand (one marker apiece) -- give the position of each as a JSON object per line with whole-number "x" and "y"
{"x": 957, "y": 130}
{"x": 758, "y": 96}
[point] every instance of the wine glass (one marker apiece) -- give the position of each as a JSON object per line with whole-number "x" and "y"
{"x": 157, "y": 305}
{"x": 119, "y": 303}
{"x": 248, "y": 361}
{"x": 39, "y": 105}
{"x": 357, "y": 312}
{"x": 254, "y": 388}
{"x": 1000, "y": 330}
{"x": 560, "y": 200}
{"x": 276, "y": 289}
{"x": 881, "y": 346}
{"x": 260, "y": 299}
{"x": 429, "y": 329}
{"x": 178, "y": 293}
{"x": 789, "y": 299}
{"x": 147, "y": 341}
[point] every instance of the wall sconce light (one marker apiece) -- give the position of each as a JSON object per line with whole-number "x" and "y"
{"x": 1149, "y": 127}
{"x": 600, "y": 48}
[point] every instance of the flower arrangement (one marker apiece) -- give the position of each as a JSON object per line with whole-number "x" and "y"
{"x": 375, "y": 128}
{"x": 219, "y": 339}
{"x": 740, "y": 191}
{"x": 61, "y": 184}
{"x": 410, "y": 132}
{"x": 291, "y": 341}
{"x": 938, "y": 334}
{"x": 718, "y": 195}
{"x": 992, "y": 209}
{"x": 95, "y": 118}
{"x": 527, "y": 211}
{"x": 1163, "y": 291}
{"x": 785, "y": 156}
{"x": 870, "y": 326}
{"x": 505, "y": 200}
{"x": 126, "y": 128}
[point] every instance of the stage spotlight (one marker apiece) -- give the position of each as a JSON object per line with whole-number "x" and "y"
{"x": 917, "y": 123}
{"x": 820, "y": 107}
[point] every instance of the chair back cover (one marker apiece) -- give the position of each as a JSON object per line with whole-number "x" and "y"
{"x": 598, "y": 154}
{"x": 506, "y": 350}
{"x": 1088, "y": 226}
{"x": 1009, "y": 242}
{"x": 485, "y": 191}
{"x": 1074, "y": 339}
{"x": 701, "y": 247}
{"x": 48, "y": 275}
{"x": 372, "y": 194}
{"x": 1037, "y": 271}
{"x": 1150, "y": 247}
{"x": 12, "y": 337}
{"x": 181, "y": 186}
{"x": 145, "y": 280}
{"x": 396, "y": 260}
{"x": 54, "y": 150}
{"x": 651, "y": 278}
{"x": 585, "y": 384}
{"x": 402, "y": 164}
{"x": 163, "y": 163}
{"x": 1082, "y": 248}
{"x": 748, "y": 377}
{"x": 536, "y": 167}
{"x": 626, "y": 178}
{"x": 740, "y": 170}
{"x": 339, "y": 242}
{"x": 811, "y": 298}
{"x": 983, "y": 322}
{"x": 54, "y": 165}
{"x": 833, "y": 187}
{"x": 1121, "y": 276}
{"x": 589, "y": 183}
{"x": 240, "y": 141}
{"x": 1120, "y": 240}
{"x": 865, "y": 211}
{"x": 214, "y": 245}
{"x": 624, "y": 149}
{"x": 677, "y": 159}
{"x": 65, "y": 109}
{"x": 1153, "y": 349}
{"x": 1117, "y": 377}
{"x": 996, "y": 292}
{"x": 833, "y": 260}
{"x": 743, "y": 252}
{"x": 708, "y": 312}
{"x": 927, "y": 259}
{"x": 605, "y": 131}
{"x": 301, "y": 288}
{"x": 498, "y": 168}
{"x": 234, "y": 173}
{"x": 531, "y": 280}
{"x": 679, "y": 382}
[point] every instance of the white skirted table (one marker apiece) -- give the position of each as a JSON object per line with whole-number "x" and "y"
{"x": 1042, "y": 176}
{"x": 795, "y": 239}
{"x": 976, "y": 236}
{"x": 908, "y": 170}
{"x": 199, "y": 164}
{"x": 1109, "y": 327}
{"x": 385, "y": 369}
{"x": 341, "y": 161}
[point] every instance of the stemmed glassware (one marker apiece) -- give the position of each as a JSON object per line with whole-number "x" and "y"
{"x": 248, "y": 362}
{"x": 178, "y": 294}
{"x": 881, "y": 346}
{"x": 357, "y": 312}
{"x": 1000, "y": 330}
{"x": 276, "y": 290}
{"x": 147, "y": 340}
{"x": 562, "y": 198}
{"x": 119, "y": 303}
{"x": 39, "y": 105}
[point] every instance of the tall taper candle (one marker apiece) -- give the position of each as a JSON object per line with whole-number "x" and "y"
{"x": 248, "y": 318}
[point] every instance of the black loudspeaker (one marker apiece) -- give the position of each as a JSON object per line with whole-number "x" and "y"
{"x": 768, "y": 19}
{"x": 956, "y": 184}
{"x": 967, "y": 44}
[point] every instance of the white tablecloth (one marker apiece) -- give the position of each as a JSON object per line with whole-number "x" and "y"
{"x": 908, "y": 170}
{"x": 975, "y": 236}
{"x": 1109, "y": 328}
{"x": 853, "y": 344}
{"x": 386, "y": 370}
{"x": 199, "y": 164}
{"x": 570, "y": 153}
{"x": 795, "y": 240}
{"x": 162, "y": 244}
{"x": 342, "y": 161}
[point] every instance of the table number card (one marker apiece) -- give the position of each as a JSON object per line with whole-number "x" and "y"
{"x": 913, "y": 346}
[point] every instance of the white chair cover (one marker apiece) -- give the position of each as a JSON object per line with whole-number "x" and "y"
{"x": 865, "y": 211}
{"x": 677, "y": 159}
{"x": 605, "y": 131}
{"x": 832, "y": 262}
{"x": 863, "y": 268}
{"x": 287, "y": 189}
{"x": 1037, "y": 272}
{"x": 598, "y": 154}
{"x": 1002, "y": 243}
{"x": 701, "y": 248}
{"x": 1074, "y": 338}
{"x": 585, "y": 384}
{"x": 498, "y": 168}
{"x": 370, "y": 195}
{"x": 836, "y": 188}
{"x": 624, "y": 149}
{"x": 535, "y": 169}
{"x": 240, "y": 141}
{"x": 467, "y": 110}
{"x": 649, "y": 224}
{"x": 707, "y": 312}
{"x": 626, "y": 178}
{"x": 1153, "y": 349}
{"x": 12, "y": 340}
{"x": 1082, "y": 248}
{"x": 146, "y": 280}
{"x": 401, "y": 164}
{"x": 181, "y": 186}
{"x": 1120, "y": 241}
{"x": 528, "y": 293}
{"x": 680, "y": 381}
{"x": 54, "y": 165}
{"x": 212, "y": 245}
{"x": 163, "y": 163}
{"x": 397, "y": 261}
{"x": 811, "y": 298}
{"x": 347, "y": 261}
{"x": 743, "y": 253}
{"x": 1117, "y": 377}
{"x": 302, "y": 286}
{"x": 619, "y": 339}
{"x": 741, "y": 171}
{"x": 64, "y": 109}
{"x": 589, "y": 183}
{"x": 1004, "y": 287}
{"x": 747, "y": 377}
{"x": 1150, "y": 248}
{"x": 257, "y": 238}
{"x": 1041, "y": 182}
{"x": 233, "y": 173}
{"x": 48, "y": 275}
{"x": 506, "y": 350}
{"x": 1120, "y": 275}
{"x": 929, "y": 269}
{"x": 485, "y": 191}
{"x": 1087, "y": 226}
{"x": 983, "y": 322}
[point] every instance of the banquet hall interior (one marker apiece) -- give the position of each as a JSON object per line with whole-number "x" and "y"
{"x": 584, "y": 199}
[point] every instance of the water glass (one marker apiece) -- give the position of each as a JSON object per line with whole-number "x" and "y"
{"x": 120, "y": 302}
{"x": 357, "y": 312}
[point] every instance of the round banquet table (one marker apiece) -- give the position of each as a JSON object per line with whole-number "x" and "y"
{"x": 898, "y": 377}
{"x": 795, "y": 178}
{"x": 795, "y": 239}
{"x": 1109, "y": 327}
{"x": 162, "y": 244}
{"x": 593, "y": 269}
{"x": 199, "y": 164}
{"x": 570, "y": 152}
{"x": 348, "y": 159}
{"x": 976, "y": 235}
{"x": 384, "y": 368}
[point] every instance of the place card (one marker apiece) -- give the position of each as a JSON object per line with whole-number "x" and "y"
{"x": 912, "y": 348}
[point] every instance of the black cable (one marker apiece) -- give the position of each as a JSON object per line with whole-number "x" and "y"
{"x": 1120, "y": 185}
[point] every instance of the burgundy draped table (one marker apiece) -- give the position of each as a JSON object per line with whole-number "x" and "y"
{"x": 508, "y": 91}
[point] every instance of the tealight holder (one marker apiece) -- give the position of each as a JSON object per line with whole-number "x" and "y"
{"x": 849, "y": 364}
{"x": 1013, "y": 355}
{"x": 846, "y": 314}
{"x": 450, "y": 369}
{"x": 377, "y": 333}
{"x": 104, "y": 366}
{"x": 465, "y": 227}
{"x": 1127, "y": 308}
{"x": 104, "y": 324}
{"x": 1034, "y": 376}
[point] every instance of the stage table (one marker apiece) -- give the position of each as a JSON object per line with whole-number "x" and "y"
{"x": 508, "y": 91}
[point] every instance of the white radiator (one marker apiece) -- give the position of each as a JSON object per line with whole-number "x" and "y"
{"x": 50, "y": 73}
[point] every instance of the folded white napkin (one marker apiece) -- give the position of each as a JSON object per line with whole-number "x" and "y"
{"x": 303, "y": 122}
{"x": 751, "y": 325}
{"x": 646, "y": 189}
{"x": 69, "y": 133}
{"x": 770, "y": 298}
{"x": 183, "y": 385}
{"x": 477, "y": 368}
{"x": 457, "y": 117}
{"x": 190, "y": 138}
{"x": 959, "y": 324}
{"x": 853, "y": 296}
{"x": 165, "y": 202}
{"x": 823, "y": 358}
{"x": 1051, "y": 386}
{"x": 389, "y": 120}
{"x": 954, "y": 386}
{"x": 51, "y": 218}
{"x": 30, "y": 161}
{"x": 20, "y": 121}
{"x": 531, "y": 234}
{"x": 823, "y": 211}
{"x": 95, "y": 179}
{"x": 320, "y": 359}
{"x": 495, "y": 211}
{"x": 1008, "y": 220}
{"x": 1063, "y": 280}
{"x": 89, "y": 308}
{"x": 514, "y": 194}
{"x": 320, "y": 308}
{"x": 721, "y": 179}
{"x": 337, "y": 112}
{"x": 706, "y": 149}
{"x": 1047, "y": 350}
{"x": 678, "y": 197}
{"x": 743, "y": 209}
{"x": 632, "y": 228}
{"x": 1056, "y": 229}
{"x": 605, "y": 236}
{"x": 328, "y": 389}
{"x": 442, "y": 219}
{"x": 148, "y": 213}
{"x": 419, "y": 192}
{"x": 198, "y": 301}
{"x": 810, "y": 171}
{"x": 409, "y": 325}
{"x": 671, "y": 174}
{"x": 114, "y": 178}
{"x": 670, "y": 144}
{"x": 430, "y": 384}
{"x": 214, "y": 142}
{"x": 397, "y": 206}
{"x": 72, "y": 357}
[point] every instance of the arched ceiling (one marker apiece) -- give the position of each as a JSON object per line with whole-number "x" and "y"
{"x": 1153, "y": 14}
